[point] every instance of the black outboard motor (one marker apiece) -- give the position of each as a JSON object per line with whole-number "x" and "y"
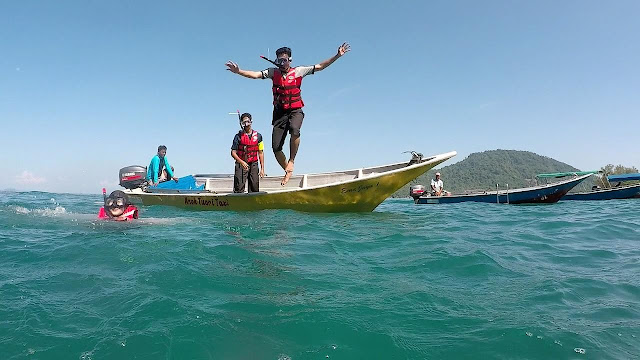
{"x": 132, "y": 177}
{"x": 416, "y": 191}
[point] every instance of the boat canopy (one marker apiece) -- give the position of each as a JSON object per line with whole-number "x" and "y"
{"x": 623, "y": 177}
{"x": 563, "y": 174}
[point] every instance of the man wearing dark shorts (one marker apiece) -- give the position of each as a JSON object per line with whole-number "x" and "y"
{"x": 287, "y": 100}
{"x": 285, "y": 122}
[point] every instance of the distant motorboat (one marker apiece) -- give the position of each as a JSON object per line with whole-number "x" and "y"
{"x": 618, "y": 191}
{"x": 547, "y": 193}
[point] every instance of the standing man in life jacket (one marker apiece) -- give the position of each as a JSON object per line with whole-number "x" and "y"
{"x": 287, "y": 100}
{"x": 247, "y": 149}
{"x": 159, "y": 169}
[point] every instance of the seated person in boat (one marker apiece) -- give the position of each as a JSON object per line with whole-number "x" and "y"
{"x": 437, "y": 187}
{"x": 247, "y": 149}
{"x": 159, "y": 169}
{"x": 117, "y": 207}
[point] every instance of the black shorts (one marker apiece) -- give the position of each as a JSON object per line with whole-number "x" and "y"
{"x": 241, "y": 176}
{"x": 285, "y": 121}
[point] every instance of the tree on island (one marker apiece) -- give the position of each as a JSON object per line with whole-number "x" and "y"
{"x": 611, "y": 169}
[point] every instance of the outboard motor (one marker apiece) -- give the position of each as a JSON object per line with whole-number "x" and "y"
{"x": 416, "y": 191}
{"x": 132, "y": 177}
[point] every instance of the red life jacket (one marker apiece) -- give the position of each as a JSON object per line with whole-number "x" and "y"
{"x": 248, "y": 147}
{"x": 130, "y": 213}
{"x": 286, "y": 90}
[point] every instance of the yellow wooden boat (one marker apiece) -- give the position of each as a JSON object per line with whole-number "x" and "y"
{"x": 358, "y": 190}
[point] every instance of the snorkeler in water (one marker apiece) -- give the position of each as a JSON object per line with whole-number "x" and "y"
{"x": 117, "y": 207}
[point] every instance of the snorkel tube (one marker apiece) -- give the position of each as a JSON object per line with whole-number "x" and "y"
{"x": 279, "y": 66}
{"x": 269, "y": 60}
{"x": 239, "y": 118}
{"x": 105, "y": 207}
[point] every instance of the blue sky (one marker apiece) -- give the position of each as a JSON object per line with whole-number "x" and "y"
{"x": 88, "y": 87}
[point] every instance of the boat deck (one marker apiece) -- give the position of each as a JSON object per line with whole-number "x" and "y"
{"x": 223, "y": 184}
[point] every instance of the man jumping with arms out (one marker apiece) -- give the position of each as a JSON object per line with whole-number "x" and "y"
{"x": 287, "y": 100}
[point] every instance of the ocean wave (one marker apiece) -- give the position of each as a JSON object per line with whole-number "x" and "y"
{"x": 57, "y": 211}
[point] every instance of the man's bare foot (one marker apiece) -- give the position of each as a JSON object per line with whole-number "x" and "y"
{"x": 287, "y": 176}
{"x": 288, "y": 171}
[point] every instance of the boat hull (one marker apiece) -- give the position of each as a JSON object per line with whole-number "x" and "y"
{"x": 544, "y": 194}
{"x": 626, "y": 192}
{"x": 358, "y": 195}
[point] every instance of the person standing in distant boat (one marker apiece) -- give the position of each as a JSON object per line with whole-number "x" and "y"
{"x": 287, "y": 100}
{"x": 159, "y": 169}
{"x": 437, "y": 187}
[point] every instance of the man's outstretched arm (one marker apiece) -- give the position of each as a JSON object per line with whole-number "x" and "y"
{"x": 234, "y": 68}
{"x": 343, "y": 49}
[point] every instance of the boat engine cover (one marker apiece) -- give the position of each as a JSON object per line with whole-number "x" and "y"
{"x": 416, "y": 191}
{"x": 132, "y": 177}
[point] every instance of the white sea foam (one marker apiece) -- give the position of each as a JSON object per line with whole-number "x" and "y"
{"x": 59, "y": 210}
{"x": 22, "y": 210}
{"x": 139, "y": 222}
{"x": 161, "y": 221}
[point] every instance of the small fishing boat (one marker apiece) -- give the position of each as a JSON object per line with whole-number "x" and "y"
{"x": 357, "y": 190}
{"x": 548, "y": 193}
{"x": 618, "y": 191}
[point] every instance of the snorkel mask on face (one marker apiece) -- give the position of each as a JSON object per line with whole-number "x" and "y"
{"x": 282, "y": 63}
{"x": 116, "y": 203}
{"x": 244, "y": 119}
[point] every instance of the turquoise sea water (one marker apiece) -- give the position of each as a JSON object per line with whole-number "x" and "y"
{"x": 460, "y": 281}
